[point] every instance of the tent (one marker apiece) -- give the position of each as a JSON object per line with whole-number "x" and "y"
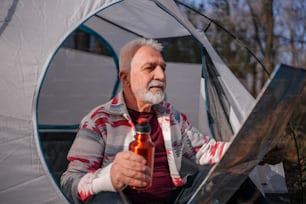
{"x": 35, "y": 69}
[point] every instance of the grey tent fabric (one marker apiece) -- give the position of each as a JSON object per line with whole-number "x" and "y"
{"x": 76, "y": 82}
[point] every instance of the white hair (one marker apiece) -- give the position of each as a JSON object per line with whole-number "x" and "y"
{"x": 128, "y": 51}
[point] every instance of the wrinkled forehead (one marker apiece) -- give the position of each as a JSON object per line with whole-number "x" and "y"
{"x": 147, "y": 54}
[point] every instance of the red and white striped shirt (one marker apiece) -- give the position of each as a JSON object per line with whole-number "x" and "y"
{"x": 108, "y": 129}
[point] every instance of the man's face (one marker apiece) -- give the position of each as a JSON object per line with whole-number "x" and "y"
{"x": 147, "y": 76}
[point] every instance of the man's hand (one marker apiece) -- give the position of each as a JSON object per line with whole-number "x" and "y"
{"x": 275, "y": 155}
{"x": 129, "y": 169}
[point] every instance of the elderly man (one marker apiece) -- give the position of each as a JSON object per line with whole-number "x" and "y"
{"x": 101, "y": 168}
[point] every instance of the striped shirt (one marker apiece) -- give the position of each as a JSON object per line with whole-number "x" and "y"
{"x": 108, "y": 129}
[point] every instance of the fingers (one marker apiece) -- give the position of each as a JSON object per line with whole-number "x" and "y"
{"x": 125, "y": 158}
{"x": 129, "y": 169}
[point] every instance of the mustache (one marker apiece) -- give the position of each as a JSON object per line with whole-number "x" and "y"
{"x": 157, "y": 83}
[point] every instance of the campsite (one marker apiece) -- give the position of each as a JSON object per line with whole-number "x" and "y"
{"x": 59, "y": 59}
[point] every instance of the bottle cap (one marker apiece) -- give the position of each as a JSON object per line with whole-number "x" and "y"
{"x": 143, "y": 126}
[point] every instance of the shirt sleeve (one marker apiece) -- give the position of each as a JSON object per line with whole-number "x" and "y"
{"x": 203, "y": 149}
{"x": 211, "y": 151}
{"x": 84, "y": 176}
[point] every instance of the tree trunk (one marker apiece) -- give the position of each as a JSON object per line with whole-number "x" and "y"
{"x": 268, "y": 25}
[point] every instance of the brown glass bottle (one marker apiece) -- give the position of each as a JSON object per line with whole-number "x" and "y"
{"x": 142, "y": 145}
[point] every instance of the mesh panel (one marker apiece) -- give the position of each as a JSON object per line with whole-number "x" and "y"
{"x": 218, "y": 105}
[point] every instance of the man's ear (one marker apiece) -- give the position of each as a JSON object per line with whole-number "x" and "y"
{"x": 124, "y": 77}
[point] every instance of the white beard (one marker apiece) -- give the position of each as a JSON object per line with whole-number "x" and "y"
{"x": 154, "y": 98}
{"x": 150, "y": 97}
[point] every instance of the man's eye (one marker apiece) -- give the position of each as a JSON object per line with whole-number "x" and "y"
{"x": 149, "y": 68}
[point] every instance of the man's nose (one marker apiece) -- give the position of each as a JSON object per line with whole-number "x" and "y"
{"x": 159, "y": 73}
